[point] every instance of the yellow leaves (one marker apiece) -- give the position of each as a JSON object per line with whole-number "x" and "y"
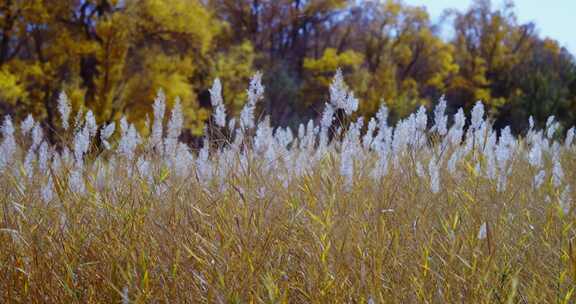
{"x": 154, "y": 44}
{"x": 187, "y": 17}
{"x": 490, "y": 46}
{"x": 234, "y": 68}
{"x": 69, "y": 46}
{"x": 322, "y": 70}
{"x": 331, "y": 60}
{"x": 34, "y": 69}
{"x": 497, "y": 102}
{"x": 552, "y": 45}
{"x": 115, "y": 31}
{"x": 107, "y": 27}
{"x": 195, "y": 118}
{"x": 409, "y": 87}
{"x": 406, "y": 59}
{"x": 29, "y": 72}
{"x": 403, "y": 54}
{"x": 482, "y": 94}
{"x": 11, "y": 88}
{"x": 392, "y": 7}
{"x": 436, "y": 81}
{"x": 34, "y": 10}
{"x": 112, "y": 58}
{"x": 479, "y": 72}
{"x": 76, "y": 94}
{"x": 170, "y": 73}
{"x": 314, "y": 7}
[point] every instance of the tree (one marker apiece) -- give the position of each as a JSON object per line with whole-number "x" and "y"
{"x": 488, "y": 45}
{"x": 110, "y": 56}
{"x": 319, "y": 73}
{"x": 405, "y": 61}
{"x": 506, "y": 65}
{"x": 545, "y": 84}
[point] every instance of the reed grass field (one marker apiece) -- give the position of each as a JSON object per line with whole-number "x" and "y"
{"x": 436, "y": 208}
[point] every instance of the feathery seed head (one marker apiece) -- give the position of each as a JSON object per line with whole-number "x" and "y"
{"x": 64, "y": 109}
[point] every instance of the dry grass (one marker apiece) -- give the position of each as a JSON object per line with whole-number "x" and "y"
{"x": 312, "y": 242}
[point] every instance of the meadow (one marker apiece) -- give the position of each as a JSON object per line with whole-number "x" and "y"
{"x": 434, "y": 209}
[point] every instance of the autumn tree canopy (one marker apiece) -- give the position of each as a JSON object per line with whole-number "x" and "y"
{"x": 114, "y": 56}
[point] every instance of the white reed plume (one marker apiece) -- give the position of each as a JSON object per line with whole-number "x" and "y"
{"x": 159, "y": 107}
{"x": 64, "y": 109}
{"x": 219, "y": 111}
{"x": 27, "y": 125}
{"x": 434, "y": 171}
{"x": 340, "y": 96}
{"x": 255, "y": 94}
{"x": 175, "y": 125}
{"x": 440, "y": 118}
{"x": 105, "y": 134}
{"x": 8, "y": 146}
{"x": 90, "y": 123}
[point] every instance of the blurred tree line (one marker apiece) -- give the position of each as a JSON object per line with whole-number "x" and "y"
{"x": 112, "y": 56}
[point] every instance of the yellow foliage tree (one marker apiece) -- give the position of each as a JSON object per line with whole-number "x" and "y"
{"x": 111, "y": 56}
{"x": 234, "y": 68}
{"x": 399, "y": 58}
{"x": 321, "y": 71}
{"x": 488, "y": 44}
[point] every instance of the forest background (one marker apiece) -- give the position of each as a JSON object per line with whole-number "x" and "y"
{"x": 114, "y": 56}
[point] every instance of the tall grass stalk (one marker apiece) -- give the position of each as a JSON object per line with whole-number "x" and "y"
{"x": 329, "y": 214}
